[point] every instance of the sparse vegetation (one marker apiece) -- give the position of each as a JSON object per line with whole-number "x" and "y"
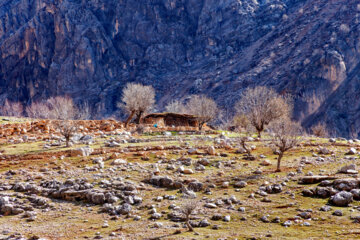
{"x": 203, "y": 107}
{"x": 62, "y": 108}
{"x": 187, "y": 209}
{"x": 320, "y": 130}
{"x": 67, "y": 129}
{"x": 11, "y": 109}
{"x": 242, "y": 124}
{"x": 246, "y": 148}
{"x": 137, "y": 99}
{"x": 262, "y": 106}
{"x": 59, "y": 108}
{"x": 38, "y": 110}
{"x": 101, "y": 139}
{"x": 287, "y": 134}
{"x": 208, "y": 168}
{"x": 175, "y": 107}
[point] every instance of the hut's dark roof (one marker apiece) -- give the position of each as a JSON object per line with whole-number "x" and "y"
{"x": 175, "y": 115}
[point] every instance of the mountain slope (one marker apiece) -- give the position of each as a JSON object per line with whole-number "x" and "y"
{"x": 90, "y": 49}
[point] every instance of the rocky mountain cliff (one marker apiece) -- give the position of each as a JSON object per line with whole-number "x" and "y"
{"x": 91, "y": 48}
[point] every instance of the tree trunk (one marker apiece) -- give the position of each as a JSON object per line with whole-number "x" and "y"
{"x": 200, "y": 126}
{"x": 279, "y": 162}
{"x": 138, "y": 117}
{"x": 129, "y": 118}
{"x": 259, "y": 130}
{"x": 67, "y": 141}
{"x": 189, "y": 225}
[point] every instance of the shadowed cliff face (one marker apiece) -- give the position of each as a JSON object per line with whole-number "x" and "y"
{"x": 90, "y": 49}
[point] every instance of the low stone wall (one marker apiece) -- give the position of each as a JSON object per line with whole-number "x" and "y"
{"x": 47, "y": 127}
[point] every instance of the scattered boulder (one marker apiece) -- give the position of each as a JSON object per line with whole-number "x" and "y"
{"x": 338, "y": 213}
{"x": 188, "y": 171}
{"x": 117, "y": 162}
{"x": 322, "y": 192}
{"x": 210, "y": 205}
{"x": 348, "y": 169}
{"x": 265, "y": 163}
{"x": 217, "y": 217}
{"x": 204, "y": 223}
{"x": 160, "y": 181}
{"x": 352, "y": 151}
{"x": 97, "y": 198}
{"x": 342, "y": 199}
{"x": 196, "y": 186}
{"x": 305, "y": 215}
{"x": 325, "y": 208}
{"x": 346, "y": 184}
{"x": 156, "y": 216}
{"x": 227, "y": 218}
{"x": 314, "y": 179}
{"x": 265, "y": 219}
{"x": 204, "y": 162}
{"x": 240, "y": 184}
{"x": 272, "y": 189}
{"x": 81, "y": 152}
{"x": 324, "y": 151}
{"x": 211, "y": 150}
{"x": 112, "y": 144}
{"x": 356, "y": 194}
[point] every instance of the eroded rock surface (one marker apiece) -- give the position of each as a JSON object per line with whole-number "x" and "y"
{"x": 90, "y": 49}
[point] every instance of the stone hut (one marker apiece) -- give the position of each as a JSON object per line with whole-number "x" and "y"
{"x": 171, "y": 120}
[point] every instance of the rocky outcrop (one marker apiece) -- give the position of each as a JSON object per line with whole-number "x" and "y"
{"x": 90, "y": 49}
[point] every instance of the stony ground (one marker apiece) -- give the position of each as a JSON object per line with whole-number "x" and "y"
{"x": 125, "y": 185}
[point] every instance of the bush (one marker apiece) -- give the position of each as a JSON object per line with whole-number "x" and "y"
{"x": 320, "y": 130}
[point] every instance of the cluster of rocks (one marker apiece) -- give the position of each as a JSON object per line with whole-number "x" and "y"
{"x": 341, "y": 192}
{"x": 20, "y": 204}
{"x": 8, "y": 206}
{"x": 271, "y": 189}
{"x": 83, "y": 139}
{"x": 164, "y": 182}
{"x": 78, "y": 138}
{"x": 76, "y": 190}
{"x": 111, "y": 209}
{"x": 226, "y": 202}
{"x": 167, "y": 182}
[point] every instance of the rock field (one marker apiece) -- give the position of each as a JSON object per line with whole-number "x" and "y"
{"x": 117, "y": 183}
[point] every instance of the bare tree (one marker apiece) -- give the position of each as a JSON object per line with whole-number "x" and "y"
{"x": 262, "y": 106}
{"x": 175, "y": 106}
{"x": 353, "y": 131}
{"x": 62, "y": 108}
{"x": 320, "y": 130}
{"x": 225, "y": 120}
{"x": 67, "y": 129}
{"x": 38, "y": 110}
{"x": 247, "y": 149}
{"x": 287, "y": 134}
{"x": 137, "y": 99}
{"x": 203, "y": 107}
{"x": 187, "y": 209}
{"x": 12, "y": 109}
{"x": 242, "y": 124}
